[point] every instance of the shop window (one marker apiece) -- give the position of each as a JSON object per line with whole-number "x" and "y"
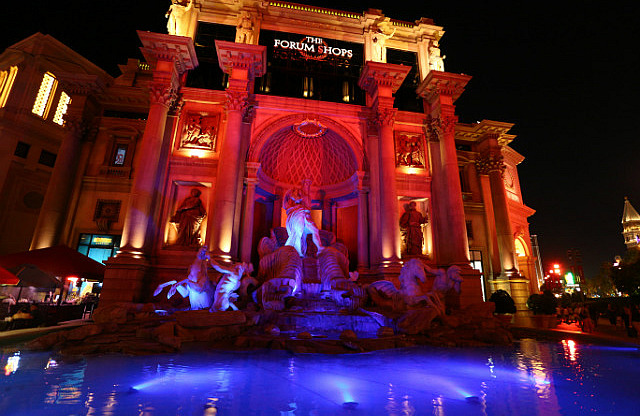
{"x": 45, "y": 95}
{"x": 47, "y": 158}
{"x": 7, "y": 78}
{"x": 22, "y": 150}
{"x": 99, "y": 247}
{"x": 61, "y": 110}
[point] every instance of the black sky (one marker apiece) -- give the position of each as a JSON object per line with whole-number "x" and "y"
{"x": 566, "y": 73}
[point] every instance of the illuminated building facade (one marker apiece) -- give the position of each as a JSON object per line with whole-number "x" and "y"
{"x": 630, "y": 225}
{"x": 248, "y": 100}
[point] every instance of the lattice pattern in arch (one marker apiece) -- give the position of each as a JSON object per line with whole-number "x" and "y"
{"x": 289, "y": 157}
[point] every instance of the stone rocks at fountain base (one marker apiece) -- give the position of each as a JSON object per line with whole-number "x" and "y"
{"x": 135, "y": 329}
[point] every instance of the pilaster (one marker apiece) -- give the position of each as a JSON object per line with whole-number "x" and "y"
{"x": 80, "y": 114}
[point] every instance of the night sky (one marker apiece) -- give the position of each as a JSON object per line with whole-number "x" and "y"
{"x": 564, "y": 72}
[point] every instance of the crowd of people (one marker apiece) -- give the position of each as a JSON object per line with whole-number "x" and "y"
{"x": 625, "y": 315}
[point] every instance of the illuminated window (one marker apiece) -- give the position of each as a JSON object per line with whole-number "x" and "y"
{"x": 476, "y": 259}
{"x": 120, "y": 155}
{"x": 6, "y": 82}
{"x": 61, "y": 110}
{"x": 45, "y": 95}
{"x": 307, "y": 87}
{"x": 99, "y": 246}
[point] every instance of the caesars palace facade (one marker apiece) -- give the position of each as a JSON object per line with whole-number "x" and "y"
{"x": 244, "y": 100}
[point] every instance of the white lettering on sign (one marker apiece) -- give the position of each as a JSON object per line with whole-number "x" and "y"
{"x": 313, "y": 48}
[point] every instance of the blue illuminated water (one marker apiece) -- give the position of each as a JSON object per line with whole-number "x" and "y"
{"x": 531, "y": 378}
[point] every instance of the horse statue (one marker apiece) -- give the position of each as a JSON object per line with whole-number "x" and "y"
{"x": 197, "y": 286}
{"x": 410, "y": 295}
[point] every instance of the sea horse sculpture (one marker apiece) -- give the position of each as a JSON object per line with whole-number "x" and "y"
{"x": 385, "y": 294}
{"x": 197, "y": 286}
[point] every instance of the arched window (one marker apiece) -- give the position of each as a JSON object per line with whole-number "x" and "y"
{"x": 521, "y": 248}
{"x": 45, "y": 95}
{"x": 6, "y": 82}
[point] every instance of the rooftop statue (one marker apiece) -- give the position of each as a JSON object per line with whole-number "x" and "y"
{"x": 378, "y": 49}
{"x": 188, "y": 219}
{"x": 245, "y": 29}
{"x": 436, "y": 62}
{"x": 179, "y": 18}
{"x": 297, "y": 203}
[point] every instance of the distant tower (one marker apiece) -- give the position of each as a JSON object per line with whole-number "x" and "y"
{"x": 630, "y": 225}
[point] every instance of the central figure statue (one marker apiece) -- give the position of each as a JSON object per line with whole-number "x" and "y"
{"x": 297, "y": 203}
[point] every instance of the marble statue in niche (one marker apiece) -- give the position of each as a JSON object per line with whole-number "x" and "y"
{"x": 188, "y": 219}
{"x": 179, "y": 18}
{"x": 411, "y": 223}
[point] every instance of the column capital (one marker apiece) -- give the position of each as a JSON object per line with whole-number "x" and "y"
{"x": 490, "y": 162}
{"x": 251, "y": 58}
{"x": 380, "y": 77}
{"x": 439, "y": 83}
{"x": 168, "y": 48}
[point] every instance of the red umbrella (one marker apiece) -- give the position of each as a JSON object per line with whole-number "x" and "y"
{"x": 7, "y": 278}
{"x": 59, "y": 261}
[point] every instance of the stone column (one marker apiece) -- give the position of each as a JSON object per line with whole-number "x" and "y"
{"x": 170, "y": 57}
{"x": 50, "y": 225}
{"x": 381, "y": 81}
{"x": 243, "y": 63}
{"x": 363, "y": 225}
{"x": 247, "y": 216}
{"x": 440, "y": 90}
{"x": 490, "y": 163}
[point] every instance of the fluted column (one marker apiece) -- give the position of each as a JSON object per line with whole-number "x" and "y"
{"x": 170, "y": 57}
{"x": 491, "y": 164}
{"x": 243, "y": 63}
{"x": 381, "y": 81}
{"x": 440, "y": 90}
{"x": 363, "y": 224}
{"x": 251, "y": 182}
{"x": 80, "y": 113}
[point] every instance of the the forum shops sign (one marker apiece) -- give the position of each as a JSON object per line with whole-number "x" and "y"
{"x": 313, "y": 48}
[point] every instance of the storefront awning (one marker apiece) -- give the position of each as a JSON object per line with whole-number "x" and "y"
{"x": 60, "y": 261}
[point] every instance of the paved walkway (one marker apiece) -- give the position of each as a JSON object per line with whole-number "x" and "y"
{"x": 604, "y": 332}
{"x": 16, "y": 336}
